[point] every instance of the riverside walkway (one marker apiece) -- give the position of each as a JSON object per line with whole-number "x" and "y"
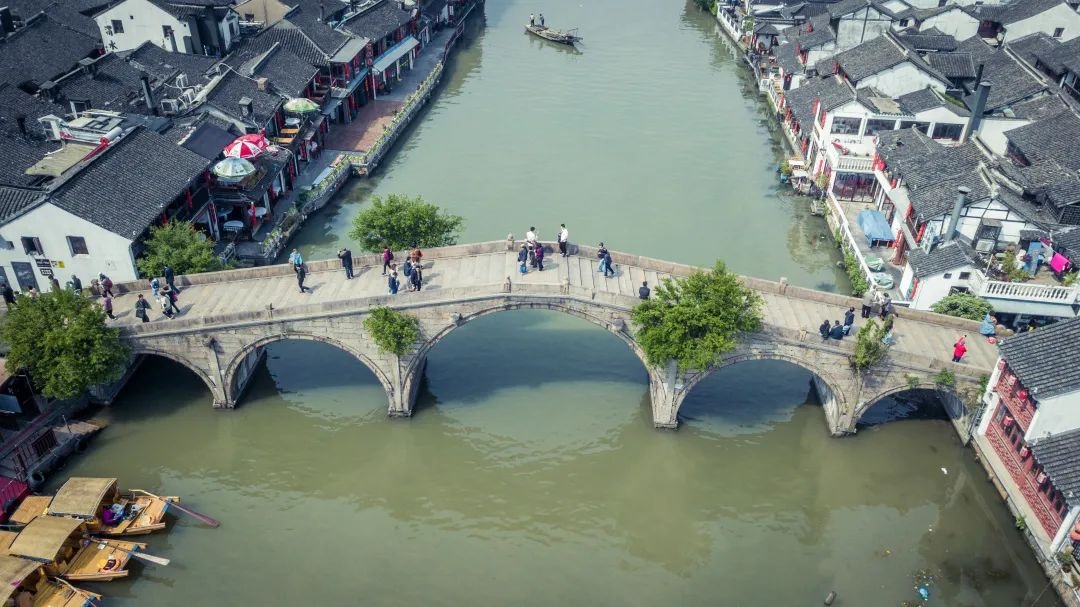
{"x": 228, "y": 317}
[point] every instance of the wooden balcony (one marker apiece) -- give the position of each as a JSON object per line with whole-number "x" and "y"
{"x": 1020, "y": 410}
{"x": 1022, "y": 474}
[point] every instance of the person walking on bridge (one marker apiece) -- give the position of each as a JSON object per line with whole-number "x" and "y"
{"x": 106, "y": 284}
{"x": 301, "y": 274}
{"x": 417, "y": 276}
{"x": 170, "y": 277}
{"x": 296, "y": 260}
{"x": 523, "y": 259}
{"x": 141, "y": 306}
{"x": 564, "y": 239}
{"x": 867, "y": 303}
{"x": 959, "y": 349}
{"x": 106, "y": 303}
{"x": 538, "y": 255}
{"x": 393, "y": 283}
{"x": 155, "y": 286}
{"x": 387, "y": 257}
{"x": 345, "y": 255}
{"x": 849, "y": 320}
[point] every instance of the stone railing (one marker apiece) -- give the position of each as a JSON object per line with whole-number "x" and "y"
{"x": 1028, "y": 292}
{"x": 849, "y": 164}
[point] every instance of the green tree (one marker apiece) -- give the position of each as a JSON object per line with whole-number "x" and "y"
{"x": 393, "y": 331}
{"x": 695, "y": 320}
{"x": 869, "y": 347}
{"x": 963, "y": 304}
{"x": 180, "y": 245}
{"x": 402, "y": 222}
{"x": 62, "y": 340}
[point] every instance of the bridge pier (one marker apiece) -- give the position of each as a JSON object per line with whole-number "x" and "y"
{"x": 666, "y": 393}
{"x": 406, "y": 384}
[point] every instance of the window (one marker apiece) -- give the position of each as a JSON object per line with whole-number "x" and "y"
{"x": 1058, "y": 31}
{"x": 32, "y": 246}
{"x": 903, "y": 22}
{"x": 249, "y": 17}
{"x": 79, "y": 105}
{"x": 965, "y": 275}
{"x": 77, "y": 244}
{"x": 948, "y": 131}
{"x": 922, "y": 127}
{"x": 947, "y": 275}
{"x": 877, "y": 125}
{"x": 117, "y": 26}
{"x": 846, "y": 126}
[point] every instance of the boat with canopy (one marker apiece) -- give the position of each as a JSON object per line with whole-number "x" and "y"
{"x": 61, "y": 545}
{"x": 106, "y": 510}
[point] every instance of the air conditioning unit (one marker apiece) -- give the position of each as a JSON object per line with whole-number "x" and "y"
{"x": 170, "y": 106}
{"x": 181, "y": 80}
{"x": 188, "y": 97}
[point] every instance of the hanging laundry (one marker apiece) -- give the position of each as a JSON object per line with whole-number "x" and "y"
{"x": 1058, "y": 263}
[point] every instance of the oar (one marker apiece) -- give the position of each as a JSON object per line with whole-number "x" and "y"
{"x": 188, "y": 511}
{"x": 90, "y": 596}
{"x": 157, "y": 560}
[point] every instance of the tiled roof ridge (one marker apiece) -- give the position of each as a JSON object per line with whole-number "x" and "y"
{"x": 285, "y": 19}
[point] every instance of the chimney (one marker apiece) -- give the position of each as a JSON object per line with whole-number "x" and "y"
{"x": 262, "y": 84}
{"x": 148, "y": 95}
{"x": 322, "y": 12}
{"x": 48, "y": 89}
{"x": 958, "y": 207}
{"x": 7, "y": 24}
{"x": 981, "y": 95}
{"x": 978, "y": 72}
{"x": 88, "y": 66}
{"x": 245, "y": 106}
{"x": 21, "y": 121}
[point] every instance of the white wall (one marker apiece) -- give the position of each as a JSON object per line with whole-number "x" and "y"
{"x": 822, "y": 52}
{"x": 902, "y": 79}
{"x": 933, "y": 288}
{"x": 1055, "y": 415}
{"x": 860, "y": 26}
{"x": 226, "y": 32}
{"x": 1046, "y": 22}
{"x": 107, "y": 252}
{"x": 992, "y": 132}
{"x": 956, "y": 23}
{"x": 142, "y": 22}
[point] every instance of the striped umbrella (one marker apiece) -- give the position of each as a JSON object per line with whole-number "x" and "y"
{"x": 233, "y": 169}
{"x": 242, "y": 149}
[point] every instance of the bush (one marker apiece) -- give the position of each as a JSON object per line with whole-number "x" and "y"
{"x": 180, "y": 245}
{"x": 944, "y": 379}
{"x": 963, "y": 305}
{"x": 401, "y": 222}
{"x": 393, "y": 331}
{"x": 859, "y": 283}
{"x": 869, "y": 347}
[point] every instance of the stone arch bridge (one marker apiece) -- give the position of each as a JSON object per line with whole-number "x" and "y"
{"x": 229, "y": 317}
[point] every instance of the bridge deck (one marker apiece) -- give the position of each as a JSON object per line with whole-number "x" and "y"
{"x": 462, "y": 267}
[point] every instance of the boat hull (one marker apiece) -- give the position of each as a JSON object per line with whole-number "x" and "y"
{"x": 552, "y": 35}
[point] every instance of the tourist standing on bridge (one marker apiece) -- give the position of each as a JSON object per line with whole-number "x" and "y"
{"x": 387, "y": 257}
{"x": 141, "y": 306}
{"x": 107, "y": 304}
{"x": 643, "y": 292}
{"x": 849, "y": 320}
{"x": 296, "y": 260}
{"x": 523, "y": 258}
{"x": 417, "y": 276}
{"x": 106, "y": 284}
{"x": 345, "y": 255}
{"x": 959, "y": 349}
{"x": 605, "y": 262}
{"x": 867, "y": 303}
{"x": 170, "y": 277}
{"x": 886, "y": 306}
{"x": 538, "y": 255}
{"x": 155, "y": 286}
{"x": 166, "y": 305}
{"x": 564, "y": 239}
{"x": 393, "y": 283}
{"x": 170, "y": 294}
{"x": 416, "y": 255}
{"x": 301, "y": 274}
{"x": 530, "y": 237}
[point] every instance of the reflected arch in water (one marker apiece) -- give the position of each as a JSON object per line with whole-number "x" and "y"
{"x": 915, "y": 400}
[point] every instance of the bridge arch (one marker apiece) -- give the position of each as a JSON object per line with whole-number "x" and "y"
{"x": 952, "y": 405}
{"x": 217, "y": 392}
{"x": 237, "y": 359}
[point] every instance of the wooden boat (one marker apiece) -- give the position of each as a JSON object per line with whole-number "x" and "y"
{"x": 567, "y": 37}
{"x": 24, "y": 582}
{"x": 59, "y": 544}
{"x": 87, "y": 499}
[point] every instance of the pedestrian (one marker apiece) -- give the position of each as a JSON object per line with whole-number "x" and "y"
{"x": 387, "y": 257}
{"x": 301, "y": 274}
{"x": 392, "y": 282}
{"x": 523, "y": 257}
{"x": 54, "y": 283}
{"x": 564, "y": 239}
{"x": 416, "y": 255}
{"x": 9, "y": 295}
{"x": 408, "y": 270}
{"x": 541, "y": 19}
{"x": 345, "y": 255}
{"x": 643, "y": 291}
{"x": 170, "y": 277}
{"x": 530, "y": 237}
{"x": 837, "y": 330}
{"x": 166, "y": 305}
{"x": 106, "y": 284}
{"x": 76, "y": 284}
{"x": 296, "y": 260}
{"x": 32, "y": 293}
{"x": 867, "y": 302}
{"x": 532, "y": 256}
{"x": 959, "y": 349}
{"x": 417, "y": 277}
{"x": 539, "y": 255}
{"x": 601, "y": 253}
{"x": 141, "y": 306}
{"x": 886, "y": 306}
{"x": 608, "y": 269}
{"x": 170, "y": 293}
{"x": 107, "y": 304}
{"x": 155, "y": 286}
{"x": 823, "y": 330}
{"x": 532, "y": 19}
{"x": 849, "y": 320}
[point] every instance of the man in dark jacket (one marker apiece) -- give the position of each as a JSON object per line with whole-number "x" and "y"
{"x": 301, "y": 274}
{"x": 823, "y": 330}
{"x": 837, "y": 331}
{"x": 141, "y": 306}
{"x": 643, "y": 292}
{"x": 849, "y": 320}
{"x": 345, "y": 255}
{"x": 170, "y": 277}
{"x": 9, "y": 295}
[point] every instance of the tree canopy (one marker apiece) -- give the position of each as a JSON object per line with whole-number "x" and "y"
{"x": 964, "y": 305}
{"x": 180, "y": 245}
{"x": 870, "y": 348}
{"x": 393, "y": 331}
{"x": 695, "y": 320}
{"x": 401, "y": 222}
{"x": 61, "y": 338}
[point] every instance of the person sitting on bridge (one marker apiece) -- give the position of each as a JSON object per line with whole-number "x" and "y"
{"x": 837, "y": 331}
{"x": 824, "y": 329}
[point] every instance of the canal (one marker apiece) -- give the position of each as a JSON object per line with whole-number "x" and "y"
{"x": 530, "y": 473}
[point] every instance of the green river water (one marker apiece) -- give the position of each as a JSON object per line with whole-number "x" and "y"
{"x": 530, "y": 473}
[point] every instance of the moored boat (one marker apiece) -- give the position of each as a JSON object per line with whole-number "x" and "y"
{"x": 61, "y": 545}
{"x": 106, "y": 510}
{"x": 24, "y": 582}
{"x": 567, "y": 37}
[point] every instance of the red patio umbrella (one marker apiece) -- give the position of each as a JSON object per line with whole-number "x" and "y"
{"x": 259, "y": 139}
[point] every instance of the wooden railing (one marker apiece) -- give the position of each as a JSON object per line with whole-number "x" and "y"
{"x": 1021, "y": 411}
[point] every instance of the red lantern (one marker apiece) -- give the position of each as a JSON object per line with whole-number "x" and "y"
{"x": 1001, "y": 363}
{"x": 1022, "y": 394}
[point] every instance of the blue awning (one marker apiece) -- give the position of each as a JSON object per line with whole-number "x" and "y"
{"x": 394, "y": 53}
{"x": 875, "y": 227}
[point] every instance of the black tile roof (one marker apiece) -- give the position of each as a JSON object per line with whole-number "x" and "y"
{"x": 787, "y": 59}
{"x": 14, "y": 200}
{"x": 1052, "y": 139}
{"x": 1040, "y": 108}
{"x": 831, "y": 92}
{"x": 1044, "y": 359}
{"x": 305, "y": 17}
{"x": 21, "y": 151}
{"x": 984, "y": 12}
{"x": 62, "y": 11}
{"x": 1068, "y": 237}
{"x": 844, "y": 7}
{"x": 952, "y": 255}
{"x": 163, "y": 66}
{"x": 227, "y": 93}
{"x": 932, "y": 172}
{"x": 43, "y": 50}
{"x": 930, "y": 40}
{"x": 1032, "y": 46}
{"x": 814, "y": 33}
{"x": 1047, "y": 53}
{"x": 1059, "y": 455}
{"x": 953, "y": 65}
{"x": 873, "y": 57}
{"x": 206, "y": 139}
{"x": 1018, "y": 10}
{"x": 287, "y": 73}
{"x": 378, "y": 21}
{"x": 126, "y": 187}
{"x": 112, "y": 84}
{"x": 926, "y": 99}
{"x": 1009, "y": 81}
{"x": 295, "y": 40}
